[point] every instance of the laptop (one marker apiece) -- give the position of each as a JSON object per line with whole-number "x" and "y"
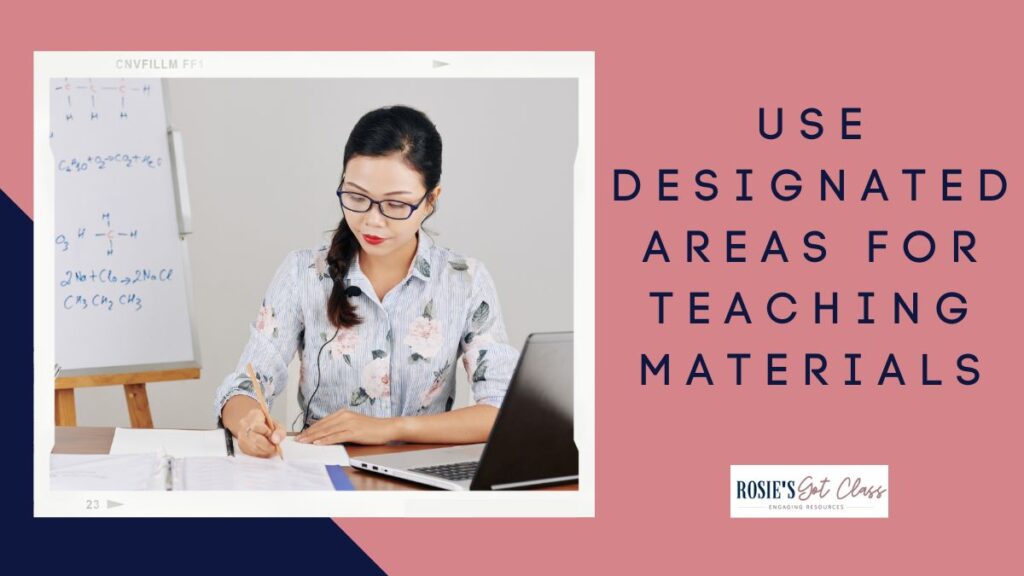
{"x": 531, "y": 443}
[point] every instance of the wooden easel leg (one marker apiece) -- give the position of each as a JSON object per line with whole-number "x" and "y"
{"x": 64, "y": 407}
{"x": 138, "y": 405}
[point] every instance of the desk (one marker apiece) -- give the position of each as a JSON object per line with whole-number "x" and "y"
{"x": 86, "y": 440}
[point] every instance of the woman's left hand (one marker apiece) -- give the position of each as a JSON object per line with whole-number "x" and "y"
{"x": 347, "y": 426}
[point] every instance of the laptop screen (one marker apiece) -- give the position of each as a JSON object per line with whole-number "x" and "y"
{"x": 532, "y": 437}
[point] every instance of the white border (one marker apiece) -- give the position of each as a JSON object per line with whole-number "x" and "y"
{"x": 579, "y": 65}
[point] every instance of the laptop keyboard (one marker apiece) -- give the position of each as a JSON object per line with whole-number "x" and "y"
{"x": 455, "y": 472}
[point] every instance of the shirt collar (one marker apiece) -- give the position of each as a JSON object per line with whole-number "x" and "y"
{"x": 421, "y": 262}
{"x": 420, "y": 267}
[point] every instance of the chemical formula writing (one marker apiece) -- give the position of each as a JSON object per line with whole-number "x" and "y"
{"x": 106, "y": 161}
{"x": 109, "y": 234}
{"x": 89, "y": 98}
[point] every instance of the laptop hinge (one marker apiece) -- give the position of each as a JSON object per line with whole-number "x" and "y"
{"x": 514, "y": 485}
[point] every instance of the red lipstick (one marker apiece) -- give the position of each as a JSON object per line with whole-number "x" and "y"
{"x": 372, "y": 239}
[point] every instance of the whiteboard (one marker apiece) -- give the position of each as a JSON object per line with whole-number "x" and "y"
{"x": 123, "y": 291}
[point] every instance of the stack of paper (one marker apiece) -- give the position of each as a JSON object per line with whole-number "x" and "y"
{"x": 298, "y": 452}
{"x": 106, "y": 472}
{"x": 249, "y": 474}
{"x": 148, "y": 459}
{"x": 176, "y": 443}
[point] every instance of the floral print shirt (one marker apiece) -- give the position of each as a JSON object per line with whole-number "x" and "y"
{"x": 401, "y": 359}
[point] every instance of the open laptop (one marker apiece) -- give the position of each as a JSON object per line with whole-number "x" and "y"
{"x": 531, "y": 443}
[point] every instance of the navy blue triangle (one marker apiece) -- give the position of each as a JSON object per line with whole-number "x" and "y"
{"x": 114, "y": 545}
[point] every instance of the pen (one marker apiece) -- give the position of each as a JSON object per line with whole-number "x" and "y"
{"x": 258, "y": 387}
{"x": 230, "y": 444}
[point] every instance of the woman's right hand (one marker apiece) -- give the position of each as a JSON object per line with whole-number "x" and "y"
{"x": 255, "y": 437}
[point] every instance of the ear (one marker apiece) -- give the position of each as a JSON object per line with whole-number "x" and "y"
{"x": 433, "y": 198}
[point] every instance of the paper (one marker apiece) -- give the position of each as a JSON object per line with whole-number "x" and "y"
{"x": 299, "y": 452}
{"x": 176, "y": 443}
{"x": 148, "y": 459}
{"x": 107, "y": 472}
{"x": 249, "y": 474}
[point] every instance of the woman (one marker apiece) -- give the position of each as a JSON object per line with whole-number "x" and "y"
{"x": 380, "y": 316}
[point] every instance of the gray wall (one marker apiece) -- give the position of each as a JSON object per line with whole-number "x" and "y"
{"x": 263, "y": 160}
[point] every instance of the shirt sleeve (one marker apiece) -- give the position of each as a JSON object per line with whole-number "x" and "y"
{"x": 273, "y": 339}
{"x": 488, "y": 357}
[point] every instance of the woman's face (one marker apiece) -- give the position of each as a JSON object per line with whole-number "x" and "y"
{"x": 385, "y": 178}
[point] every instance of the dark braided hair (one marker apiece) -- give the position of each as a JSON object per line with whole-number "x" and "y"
{"x": 381, "y": 132}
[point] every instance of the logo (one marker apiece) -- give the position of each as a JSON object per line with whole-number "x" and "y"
{"x": 808, "y": 491}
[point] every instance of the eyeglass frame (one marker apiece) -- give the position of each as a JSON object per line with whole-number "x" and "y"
{"x": 380, "y": 204}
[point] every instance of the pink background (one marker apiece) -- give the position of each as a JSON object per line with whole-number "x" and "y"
{"x": 680, "y": 89}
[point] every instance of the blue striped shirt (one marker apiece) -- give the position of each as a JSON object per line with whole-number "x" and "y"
{"x": 401, "y": 359}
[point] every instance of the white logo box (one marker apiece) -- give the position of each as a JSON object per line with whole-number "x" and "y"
{"x": 808, "y": 491}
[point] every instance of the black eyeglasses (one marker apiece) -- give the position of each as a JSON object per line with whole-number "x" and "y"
{"x": 393, "y": 209}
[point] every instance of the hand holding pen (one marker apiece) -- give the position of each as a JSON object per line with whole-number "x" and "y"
{"x": 259, "y": 434}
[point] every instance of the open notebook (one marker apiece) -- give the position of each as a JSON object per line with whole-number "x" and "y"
{"x": 145, "y": 459}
